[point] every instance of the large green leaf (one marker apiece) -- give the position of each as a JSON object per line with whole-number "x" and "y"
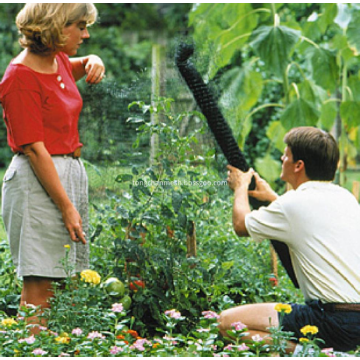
{"x": 350, "y": 113}
{"x": 241, "y": 21}
{"x": 312, "y": 93}
{"x": 274, "y": 44}
{"x": 328, "y": 115}
{"x": 329, "y": 12}
{"x": 220, "y": 30}
{"x": 354, "y": 85}
{"x": 242, "y": 88}
{"x": 324, "y": 68}
{"x": 268, "y": 168}
{"x": 276, "y": 134}
{"x": 299, "y": 113}
{"x": 352, "y": 32}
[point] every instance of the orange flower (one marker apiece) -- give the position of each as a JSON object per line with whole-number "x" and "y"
{"x": 133, "y": 333}
{"x": 155, "y": 345}
{"x": 122, "y": 337}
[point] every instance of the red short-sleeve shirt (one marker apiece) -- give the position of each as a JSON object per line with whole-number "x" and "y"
{"x": 41, "y": 107}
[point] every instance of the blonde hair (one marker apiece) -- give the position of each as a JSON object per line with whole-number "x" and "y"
{"x": 41, "y": 25}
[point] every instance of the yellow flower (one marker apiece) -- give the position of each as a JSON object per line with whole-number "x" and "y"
{"x": 304, "y": 340}
{"x": 67, "y": 247}
{"x": 286, "y": 308}
{"x": 8, "y": 322}
{"x": 309, "y": 329}
{"x": 90, "y": 276}
{"x": 63, "y": 339}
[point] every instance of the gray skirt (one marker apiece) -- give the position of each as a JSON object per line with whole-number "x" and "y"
{"x": 33, "y": 223}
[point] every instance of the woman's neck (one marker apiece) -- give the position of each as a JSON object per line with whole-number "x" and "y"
{"x": 43, "y": 64}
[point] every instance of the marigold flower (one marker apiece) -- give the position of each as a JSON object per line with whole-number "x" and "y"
{"x": 303, "y": 340}
{"x": 63, "y": 339}
{"x": 286, "y": 308}
{"x": 133, "y": 333}
{"x": 67, "y": 246}
{"x": 8, "y": 322}
{"x": 309, "y": 329}
{"x": 90, "y": 276}
{"x": 156, "y": 345}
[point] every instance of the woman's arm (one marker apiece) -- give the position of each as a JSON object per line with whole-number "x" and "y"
{"x": 44, "y": 168}
{"x": 91, "y": 65}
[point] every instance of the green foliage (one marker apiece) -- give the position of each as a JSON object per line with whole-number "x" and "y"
{"x": 310, "y": 50}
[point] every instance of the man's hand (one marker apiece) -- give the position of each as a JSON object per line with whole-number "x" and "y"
{"x": 237, "y": 178}
{"x": 263, "y": 191}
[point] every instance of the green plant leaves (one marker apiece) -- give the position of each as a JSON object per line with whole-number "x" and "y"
{"x": 299, "y": 113}
{"x": 350, "y": 113}
{"x": 324, "y": 68}
{"x": 221, "y": 30}
{"x": 268, "y": 168}
{"x": 276, "y": 134}
{"x": 274, "y": 44}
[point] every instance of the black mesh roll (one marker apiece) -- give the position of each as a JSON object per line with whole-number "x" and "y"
{"x": 223, "y": 136}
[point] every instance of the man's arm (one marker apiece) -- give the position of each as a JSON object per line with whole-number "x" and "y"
{"x": 91, "y": 65}
{"x": 239, "y": 182}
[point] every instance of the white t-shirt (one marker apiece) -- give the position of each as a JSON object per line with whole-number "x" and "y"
{"x": 320, "y": 223}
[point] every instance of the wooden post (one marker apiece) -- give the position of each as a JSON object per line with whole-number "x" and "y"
{"x": 157, "y": 90}
{"x": 191, "y": 240}
{"x": 356, "y": 189}
{"x": 274, "y": 262}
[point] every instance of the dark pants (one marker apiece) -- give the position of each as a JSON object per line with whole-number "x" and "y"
{"x": 339, "y": 329}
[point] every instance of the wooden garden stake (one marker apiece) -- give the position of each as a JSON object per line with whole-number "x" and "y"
{"x": 274, "y": 262}
{"x": 356, "y": 189}
{"x": 191, "y": 239}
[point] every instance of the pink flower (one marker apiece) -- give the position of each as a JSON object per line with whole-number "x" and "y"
{"x": 39, "y": 351}
{"x": 118, "y": 308}
{"x": 328, "y": 352}
{"x": 169, "y": 338}
{"x": 139, "y": 344}
{"x": 115, "y": 350}
{"x": 257, "y": 338}
{"x": 203, "y": 330}
{"x": 228, "y": 347}
{"x": 242, "y": 347}
{"x": 173, "y": 314}
{"x": 238, "y": 326}
{"x": 95, "y": 335}
{"x": 77, "y": 332}
{"x": 29, "y": 340}
{"x": 210, "y": 315}
{"x": 64, "y": 355}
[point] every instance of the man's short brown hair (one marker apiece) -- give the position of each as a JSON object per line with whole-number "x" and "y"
{"x": 317, "y": 149}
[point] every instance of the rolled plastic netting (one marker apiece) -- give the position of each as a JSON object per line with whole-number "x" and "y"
{"x": 223, "y": 136}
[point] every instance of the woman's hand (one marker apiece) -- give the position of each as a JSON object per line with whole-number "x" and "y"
{"x": 73, "y": 224}
{"x": 263, "y": 191}
{"x": 94, "y": 69}
{"x": 90, "y": 66}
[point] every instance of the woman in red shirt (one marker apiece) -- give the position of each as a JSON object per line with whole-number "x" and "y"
{"x": 45, "y": 187}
